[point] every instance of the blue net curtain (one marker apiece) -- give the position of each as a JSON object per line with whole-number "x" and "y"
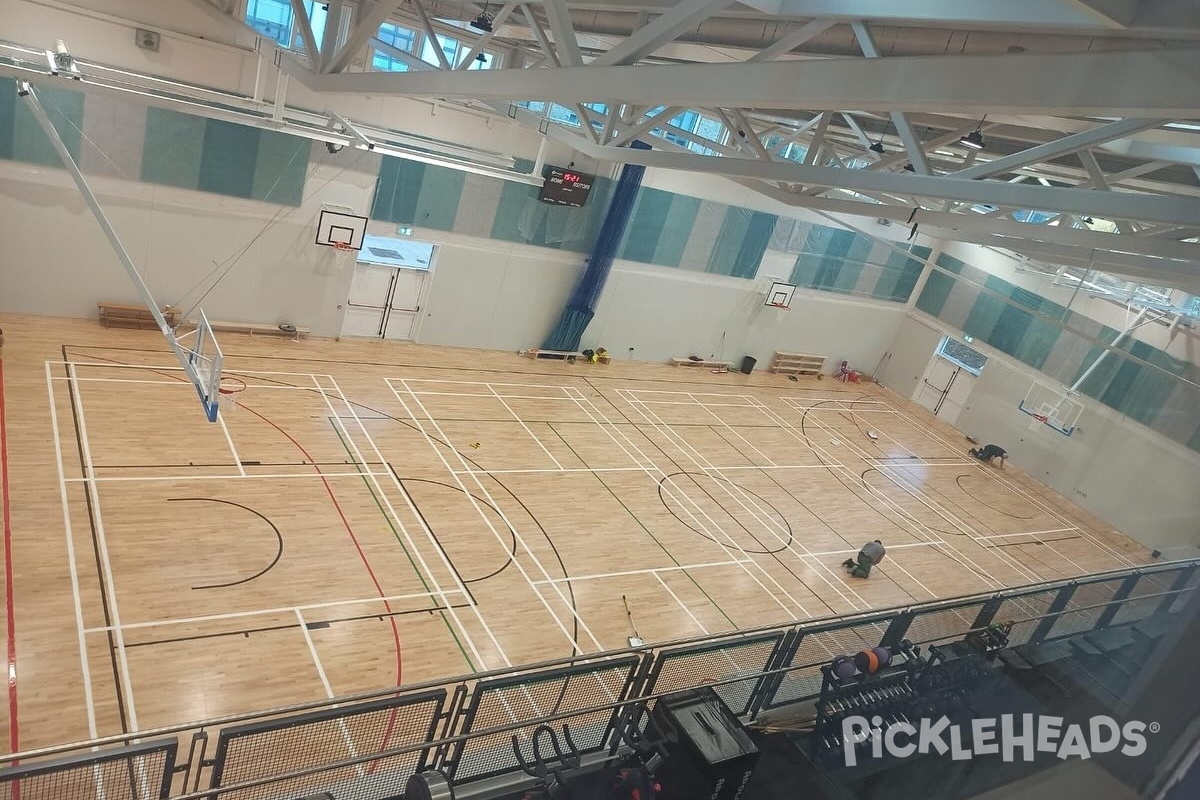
{"x": 582, "y": 305}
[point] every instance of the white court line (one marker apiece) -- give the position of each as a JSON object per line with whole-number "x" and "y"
{"x": 693, "y": 403}
{"x": 761, "y": 517}
{"x": 316, "y": 659}
{"x": 493, "y": 395}
{"x": 679, "y": 443}
{"x": 478, "y": 383}
{"x": 173, "y": 382}
{"x": 264, "y": 611}
{"x": 412, "y": 546}
{"x": 824, "y": 455}
{"x": 890, "y": 548}
{"x": 770, "y": 461}
{"x": 176, "y": 367}
{"x": 231, "y": 477}
{"x": 225, "y": 429}
{"x": 89, "y": 703}
{"x": 651, "y": 571}
{"x": 1030, "y": 533}
{"x": 540, "y": 443}
{"x": 102, "y": 548}
{"x": 1033, "y": 500}
{"x": 503, "y": 516}
{"x": 682, "y": 605}
{"x": 621, "y": 469}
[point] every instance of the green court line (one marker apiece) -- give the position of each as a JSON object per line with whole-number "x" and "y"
{"x": 642, "y": 525}
{"x": 400, "y": 541}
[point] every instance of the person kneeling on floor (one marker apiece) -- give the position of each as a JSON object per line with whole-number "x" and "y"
{"x": 869, "y": 556}
{"x": 989, "y": 454}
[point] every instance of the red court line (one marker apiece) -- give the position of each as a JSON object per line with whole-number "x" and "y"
{"x": 387, "y": 734}
{"x": 14, "y": 738}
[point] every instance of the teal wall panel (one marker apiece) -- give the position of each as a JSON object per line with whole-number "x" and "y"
{"x": 937, "y": 288}
{"x": 280, "y": 169}
{"x": 172, "y": 150}
{"x": 676, "y": 230}
{"x": 227, "y": 161}
{"x": 1039, "y": 339}
{"x": 440, "y": 191}
{"x": 645, "y": 227}
{"x": 399, "y": 189}
{"x": 8, "y": 112}
{"x": 29, "y": 141}
{"x": 1194, "y": 442}
{"x": 729, "y": 241}
{"x": 754, "y": 245}
{"x": 1010, "y": 329}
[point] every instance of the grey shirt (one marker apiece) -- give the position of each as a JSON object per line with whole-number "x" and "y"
{"x": 873, "y": 551}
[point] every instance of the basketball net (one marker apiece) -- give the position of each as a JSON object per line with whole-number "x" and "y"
{"x": 227, "y": 393}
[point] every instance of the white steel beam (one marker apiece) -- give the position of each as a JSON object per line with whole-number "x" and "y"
{"x": 425, "y": 23}
{"x": 310, "y": 45}
{"x": 565, "y": 42}
{"x": 414, "y": 63}
{"x": 791, "y": 41}
{"x": 1162, "y": 84}
{"x": 904, "y": 128}
{"x": 1115, "y": 14}
{"x": 366, "y": 29}
{"x": 333, "y": 24}
{"x": 1112, "y": 205}
{"x": 1059, "y": 147}
{"x": 664, "y": 29}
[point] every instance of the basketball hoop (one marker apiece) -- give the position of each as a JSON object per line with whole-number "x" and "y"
{"x": 1041, "y": 418}
{"x": 227, "y": 393}
{"x": 779, "y": 306}
{"x": 342, "y": 247}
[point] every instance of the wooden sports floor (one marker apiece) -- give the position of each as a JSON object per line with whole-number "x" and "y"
{"x": 374, "y": 514}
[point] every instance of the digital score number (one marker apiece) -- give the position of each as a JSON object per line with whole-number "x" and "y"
{"x": 565, "y": 187}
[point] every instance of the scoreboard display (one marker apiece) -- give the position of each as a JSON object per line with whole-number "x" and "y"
{"x": 566, "y": 187}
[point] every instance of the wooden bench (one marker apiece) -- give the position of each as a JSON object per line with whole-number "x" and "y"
{"x": 122, "y": 315}
{"x": 687, "y": 362}
{"x": 259, "y": 328}
{"x": 796, "y": 364}
{"x": 554, "y": 355}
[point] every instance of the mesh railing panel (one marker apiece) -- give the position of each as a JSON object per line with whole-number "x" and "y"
{"x": 1185, "y": 597}
{"x": 1084, "y": 608}
{"x": 135, "y": 772}
{"x": 688, "y": 667}
{"x": 803, "y": 680}
{"x": 942, "y": 625}
{"x": 508, "y": 700}
{"x": 257, "y": 750}
{"x": 1135, "y": 609}
{"x": 1023, "y": 612}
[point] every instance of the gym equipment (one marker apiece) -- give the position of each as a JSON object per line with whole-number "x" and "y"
{"x": 711, "y": 755}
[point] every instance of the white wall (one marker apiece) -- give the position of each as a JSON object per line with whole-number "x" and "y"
{"x": 1140, "y": 482}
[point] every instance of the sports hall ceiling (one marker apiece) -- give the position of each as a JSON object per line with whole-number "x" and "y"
{"x": 1089, "y": 110}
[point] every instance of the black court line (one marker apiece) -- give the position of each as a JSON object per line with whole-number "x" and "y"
{"x": 958, "y": 480}
{"x": 263, "y": 517}
{"x": 389, "y": 364}
{"x": 104, "y": 601}
{"x": 245, "y": 632}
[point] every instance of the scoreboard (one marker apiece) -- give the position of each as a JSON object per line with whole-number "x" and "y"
{"x": 566, "y": 187}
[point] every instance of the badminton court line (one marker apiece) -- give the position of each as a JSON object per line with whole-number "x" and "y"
{"x": 533, "y": 436}
{"x": 72, "y": 567}
{"x": 650, "y": 571}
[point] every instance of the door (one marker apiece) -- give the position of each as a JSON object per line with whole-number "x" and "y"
{"x": 945, "y": 389}
{"x": 384, "y": 301}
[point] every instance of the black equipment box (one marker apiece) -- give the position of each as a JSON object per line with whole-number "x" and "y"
{"x": 710, "y": 756}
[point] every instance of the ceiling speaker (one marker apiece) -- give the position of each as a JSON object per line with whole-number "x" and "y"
{"x": 147, "y": 40}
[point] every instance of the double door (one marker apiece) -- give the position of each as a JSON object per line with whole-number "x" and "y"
{"x": 945, "y": 388}
{"x": 384, "y": 302}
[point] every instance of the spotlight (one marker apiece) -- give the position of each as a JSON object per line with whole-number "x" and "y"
{"x": 333, "y": 147}
{"x": 973, "y": 140}
{"x": 483, "y": 22}
{"x": 909, "y": 168}
{"x": 1087, "y": 220}
{"x": 877, "y": 147}
{"x": 481, "y": 58}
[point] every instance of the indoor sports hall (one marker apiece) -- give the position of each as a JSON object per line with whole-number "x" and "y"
{"x": 435, "y": 399}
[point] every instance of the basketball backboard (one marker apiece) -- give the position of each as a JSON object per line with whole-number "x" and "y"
{"x": 779, "y": 295}
{"x": 339, "y": 228}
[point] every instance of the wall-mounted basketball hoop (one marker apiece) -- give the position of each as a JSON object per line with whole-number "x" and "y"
{"x": 779, "y": 295}
{"x": 1055, "y": 408}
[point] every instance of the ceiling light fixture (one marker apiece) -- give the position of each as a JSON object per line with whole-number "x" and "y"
{"x": 878, "y": 146}
{"x": 974, "y": 139}
{"x": 483, "y": 22}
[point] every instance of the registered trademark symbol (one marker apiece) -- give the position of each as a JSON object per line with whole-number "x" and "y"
{"x": 1155, "y": 727}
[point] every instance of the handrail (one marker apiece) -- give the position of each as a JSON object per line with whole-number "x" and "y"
{"x": 814, "y": 625}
